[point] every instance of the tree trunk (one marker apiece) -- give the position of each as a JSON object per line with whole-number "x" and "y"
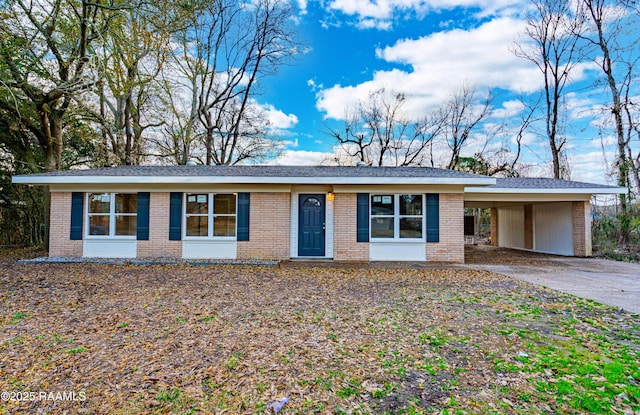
{"x": 51, "y": 123}
{"x": 209, "y": 145}
{"x": 596, "y": 9}
{"x": 555, "y": 154}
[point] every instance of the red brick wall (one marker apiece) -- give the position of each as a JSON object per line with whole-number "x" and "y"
{"x": 269, "y": 227}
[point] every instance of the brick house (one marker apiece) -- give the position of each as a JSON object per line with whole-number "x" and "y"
{"x": 284, "y": 212}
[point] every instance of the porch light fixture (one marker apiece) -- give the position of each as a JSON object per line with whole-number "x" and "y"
{"x": 331, "y": 196}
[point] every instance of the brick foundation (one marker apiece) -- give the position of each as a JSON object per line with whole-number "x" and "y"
{"x": 60, "y": 227}
{"x": 269, "y": 227}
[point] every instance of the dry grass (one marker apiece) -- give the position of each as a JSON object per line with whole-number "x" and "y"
{"x": 232, "y": 339}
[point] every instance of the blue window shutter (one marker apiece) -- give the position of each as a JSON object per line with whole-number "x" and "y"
{"x": 363, "y": 217}
{"x": 433, "y": 217}
{"x": 175, "y": 216}
{"x": 77, "y": 216}
{"x": 242, "y": 233}
{"x": 142, "y": 233}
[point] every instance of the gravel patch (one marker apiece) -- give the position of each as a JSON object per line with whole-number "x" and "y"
{"x": 147, "y": 261}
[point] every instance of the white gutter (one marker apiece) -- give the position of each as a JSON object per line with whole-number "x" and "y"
{"x": 46, "y": 180}
{"x": 566, "y": 190}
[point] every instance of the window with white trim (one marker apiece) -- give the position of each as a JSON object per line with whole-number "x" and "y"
{"x": 210, "y": 215}
{"x": 112, "y": 214}
{"x": 397, "y": 216}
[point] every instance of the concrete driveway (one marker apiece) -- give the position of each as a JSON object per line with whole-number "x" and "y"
{"x": 608, "y": 282}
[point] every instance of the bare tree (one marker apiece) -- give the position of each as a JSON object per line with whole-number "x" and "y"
{"x": 378, "y": 133}
{"x": 180, "y": 137}
{"x": 131, "y": 57}
{"x": 527, "y": 119}
{"x": 462, "y": 115}
{"x": 555, "y": 49}
{"x": 631, "y": 115}
{"x": 229, "y": 47}
{"x": 612, "y": 30}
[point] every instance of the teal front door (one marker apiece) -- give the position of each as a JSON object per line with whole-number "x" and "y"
{"x": 311, "y": 225}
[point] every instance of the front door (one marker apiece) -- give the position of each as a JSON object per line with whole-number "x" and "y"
{"x": 311, "y": 225}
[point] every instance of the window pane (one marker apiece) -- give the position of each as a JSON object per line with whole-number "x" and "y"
{"x": 411, "y": 205}
{"x": 411, "y": 228}
{"x": 99, "y": 225}
{"x": 198, "y": 203}
{"x": 224, "y": 226}
{"x": 126, "y": 225}
{"x": 224, "y": 204}
{"x": 382, "y": 205}
{"x": 99, "y": 202}
{"x": 197, "y": 226}
{"x": 312, "y": 202}
{"x": 382, "y": 227}
{"x": 126, "y": 203}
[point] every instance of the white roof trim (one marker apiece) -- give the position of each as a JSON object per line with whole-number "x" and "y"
{"x": 541, "y": 190}
{"x": 28, "y": 179}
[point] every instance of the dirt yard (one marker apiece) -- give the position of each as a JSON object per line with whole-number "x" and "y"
{"x": 159, "y": 339}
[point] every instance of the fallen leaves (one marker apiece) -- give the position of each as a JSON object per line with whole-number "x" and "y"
{"x": 340, "y": 339}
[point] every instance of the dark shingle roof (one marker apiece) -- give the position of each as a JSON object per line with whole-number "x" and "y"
{"x": 263, "y": 171}
{"x": 309, "y": 175}
{"x": 543, "y": 183}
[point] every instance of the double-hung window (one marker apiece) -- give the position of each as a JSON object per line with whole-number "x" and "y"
{"x": 209, "y": 215}
{"x": 397, "y": 216}
{"x": 112, "y": 214}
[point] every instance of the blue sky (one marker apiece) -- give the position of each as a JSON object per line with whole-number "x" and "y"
{"x": 427, "y": 49}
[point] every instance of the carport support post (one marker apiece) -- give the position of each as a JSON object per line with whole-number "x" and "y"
{"x": 581, "y": 217}
{"x": 494, "y": 226}
{"x": 528, "y": 226}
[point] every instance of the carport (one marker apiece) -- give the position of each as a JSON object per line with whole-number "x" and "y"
{"x": 538, "y": 214}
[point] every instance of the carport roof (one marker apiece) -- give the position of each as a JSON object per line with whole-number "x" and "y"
{"x": 544, "y": 185}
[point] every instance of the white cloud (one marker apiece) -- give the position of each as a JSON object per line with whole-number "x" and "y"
{"x": 301, "y": 158}
{"x": 440, "y": 63}
{"x": 381, "y": 9}
{"x": 591, "y": 167}
{"x": 599, "y": 142}
{"x": 278, "y": 119}
{"x": 374, "y": 24}
{"x": 509, "y": 109}
{"x": 530, "y": 140}
{"x": 380, "y": 13}
{"x": 302, "y": 4}
{"x": 291, "y": 143}
{"x": 311, "y": 83}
